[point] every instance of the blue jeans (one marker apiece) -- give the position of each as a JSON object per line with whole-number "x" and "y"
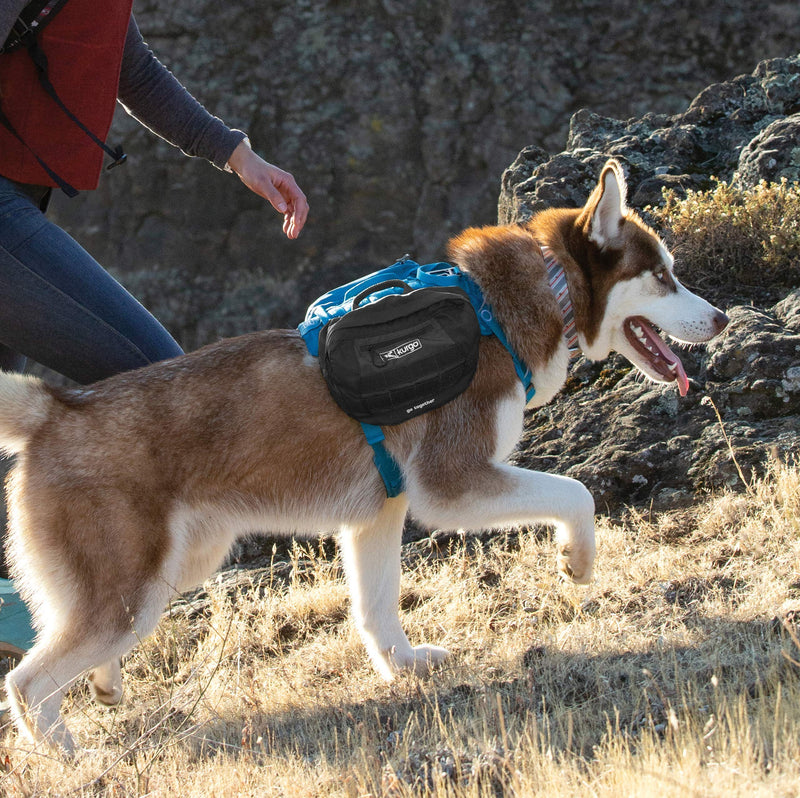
{"x": 58, "y": 306}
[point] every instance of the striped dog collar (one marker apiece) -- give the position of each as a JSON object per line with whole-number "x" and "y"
{"x": 558, "y": 284}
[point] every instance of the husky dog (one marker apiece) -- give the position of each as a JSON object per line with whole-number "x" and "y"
{"x": 135, "y": 487}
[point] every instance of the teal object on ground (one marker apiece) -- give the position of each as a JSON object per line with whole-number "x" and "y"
{"x": 16, "y": 627}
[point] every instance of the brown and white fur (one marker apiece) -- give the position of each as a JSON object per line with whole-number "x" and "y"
{"x": 134, "y": 488}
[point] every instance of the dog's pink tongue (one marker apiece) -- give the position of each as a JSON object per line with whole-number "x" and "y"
{"x": 680, "y": 376}
{"x": 661, "y": 356}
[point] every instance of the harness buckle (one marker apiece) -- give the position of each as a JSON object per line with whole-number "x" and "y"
{"x": 119, "y": 158}
{"x": 17, "y": 36}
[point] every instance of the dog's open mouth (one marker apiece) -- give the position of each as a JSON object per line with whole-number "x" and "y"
{"x": 646, "y": 341}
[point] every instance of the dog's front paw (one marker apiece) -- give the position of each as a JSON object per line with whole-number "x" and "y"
{"x": 420, "y": 660}
{"x": 575, "y": 563}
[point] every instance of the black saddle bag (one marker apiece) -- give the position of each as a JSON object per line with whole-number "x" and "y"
{"x": 401, "y": 355}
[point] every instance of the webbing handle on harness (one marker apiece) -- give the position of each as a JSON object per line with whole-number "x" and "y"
{"x": 387, "y": 466}
{"x": 381, "y": 287}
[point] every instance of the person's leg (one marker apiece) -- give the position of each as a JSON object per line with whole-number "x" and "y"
{"x": 61, "y": 308}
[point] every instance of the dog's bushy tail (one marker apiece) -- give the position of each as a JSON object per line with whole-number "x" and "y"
{"x": 24, "y": 406}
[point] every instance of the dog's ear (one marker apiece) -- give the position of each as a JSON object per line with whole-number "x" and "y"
{"x": 605, "y": 210}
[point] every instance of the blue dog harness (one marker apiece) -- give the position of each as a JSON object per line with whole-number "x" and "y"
{"x": 339, "y": 301}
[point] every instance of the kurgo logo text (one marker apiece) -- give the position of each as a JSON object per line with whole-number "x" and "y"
{"x": 401, "y": 351}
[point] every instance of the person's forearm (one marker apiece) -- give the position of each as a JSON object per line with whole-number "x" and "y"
{"x": 9, "y": 11}
{"x": 152, "y": 94}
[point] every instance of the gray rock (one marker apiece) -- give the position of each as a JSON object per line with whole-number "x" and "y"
{"x": 632, "y": 442}
{"x": 748, "y": 124}
{"x": 773, "y": 155}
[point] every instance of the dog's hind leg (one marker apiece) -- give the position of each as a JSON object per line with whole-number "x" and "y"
{"x": 105, "y": 680}
{"x": 371, "y": 556}
{"x": 36, "y": 687}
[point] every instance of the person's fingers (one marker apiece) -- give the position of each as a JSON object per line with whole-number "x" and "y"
{"x": 275, "y": 185}
{"x": 271, "y": 192}
{"x": 296, "y": 212}
{"x": 299, "y": 214}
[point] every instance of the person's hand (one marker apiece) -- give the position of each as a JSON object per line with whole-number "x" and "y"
{"x": 274, "y": 185}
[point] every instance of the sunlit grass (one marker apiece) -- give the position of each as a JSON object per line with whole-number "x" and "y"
{"x": 674, "y": 673}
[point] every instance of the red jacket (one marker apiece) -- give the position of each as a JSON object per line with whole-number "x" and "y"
{"x": 83, "y": 44}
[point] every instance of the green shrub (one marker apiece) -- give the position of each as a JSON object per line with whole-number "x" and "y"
{"x": 734, "y": 242}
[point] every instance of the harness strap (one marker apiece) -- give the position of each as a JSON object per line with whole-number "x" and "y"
{"x": 524, "y": 374}
{"x": 386, "y": 464}
{"x": 40, "y": 60}
{"x": 69, "y": 190}
{"x": 33, "y": 18}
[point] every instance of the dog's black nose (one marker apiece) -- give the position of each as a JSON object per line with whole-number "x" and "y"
{"x": 720, "y": 322}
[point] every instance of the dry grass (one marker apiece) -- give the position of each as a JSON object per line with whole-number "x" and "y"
{"x": 735, "y": 242}
{"x": 674, "y": 673}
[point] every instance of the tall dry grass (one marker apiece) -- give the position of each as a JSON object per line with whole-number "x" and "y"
{"x": 676, "y": 673}
{"x": 735, "y": 241}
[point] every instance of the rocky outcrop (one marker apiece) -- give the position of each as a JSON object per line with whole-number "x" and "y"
{"x": 397, "y": 119}
{"x": 746, "y": 126}
{"x": 774, "y": 154}
{"x": 632, "y": 442}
